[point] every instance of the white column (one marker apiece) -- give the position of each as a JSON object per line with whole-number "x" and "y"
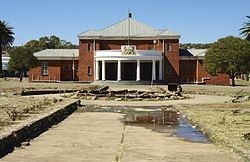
{"x": 119, "y": 70}
{"x": 138, "y": 70}
{"x": 160, "y": 70}
{"x": 103, "y": 70}
{"x": 97, "y": 70}
{"x": 153, "y": 69}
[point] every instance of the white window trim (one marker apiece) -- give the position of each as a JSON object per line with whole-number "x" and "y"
{"x": 44, "y": 68}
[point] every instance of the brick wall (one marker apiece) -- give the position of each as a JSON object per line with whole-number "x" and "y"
{"x": 187, "y": 71}
{"x": 140, "y": 44}
{"x": 67, "y": 75}
{"x": 193, "y": 73}
{"x": 171, "y": 61}
{"x": 55, "y": 71}
{"x": 219, "y": 79}
{"x": 170, "y": 57}
{"x": 86, "y": 59}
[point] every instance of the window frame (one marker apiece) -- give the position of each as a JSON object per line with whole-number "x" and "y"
{"x": 89, "y": 47}
{"x": 76, "y": 67}
{"x": 44, "y": 68}
{"x": 168, "y": 47}
{"x": 70, "y": 67}
{"x": 64, "y": 68}
{"x": 89, "y": 71}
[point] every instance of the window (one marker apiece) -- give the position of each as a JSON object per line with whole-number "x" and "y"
{"x": 76, "y": 67}
{"x": 89, "y": 71}
{"x": 44, "y": 66}
{"x": 89, "y": 46}
{"x": 168, "y": 47}
{"x": 64, "y": 67}
{"x": 70, "y": 67}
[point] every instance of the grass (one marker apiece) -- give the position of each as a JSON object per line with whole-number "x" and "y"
{"x": 242, "y": 82}
{"x": 227, "y": 125}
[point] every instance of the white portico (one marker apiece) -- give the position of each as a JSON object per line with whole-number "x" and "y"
{"x": 128, "y": 64}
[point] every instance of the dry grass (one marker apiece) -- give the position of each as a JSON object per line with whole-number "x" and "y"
{"x": 12, "y": 84}
{"x": 216, "y": 90}
{"x": 14, "y": 109}
{"x": 225, "y": 124}
{"x": 242, "y": 82}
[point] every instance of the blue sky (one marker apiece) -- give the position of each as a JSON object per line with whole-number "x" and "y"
{"x": 197, "y": 21}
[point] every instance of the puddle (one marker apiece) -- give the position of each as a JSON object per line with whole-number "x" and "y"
{"x": 163, "y": 119}
{"x": 182, "y": 130}
{"x": 186, "y": 131}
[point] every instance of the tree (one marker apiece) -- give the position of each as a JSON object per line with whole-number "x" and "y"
{"x": 6, "y": 40}
{"x": 195, "y": 45}
{"x": 21, "y": 59}
{"x": 230, "y": 55}
{"x": 33, "y": 46}
{"x": 245, "y": 30}
{"x": 52, "y": 42}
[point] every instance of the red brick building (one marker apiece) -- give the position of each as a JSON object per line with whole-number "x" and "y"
{"x": 56, "y": 65}
{"x": 127, "y": 50}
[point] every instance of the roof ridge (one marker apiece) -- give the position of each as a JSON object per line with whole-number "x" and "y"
{"x": 121, "y": 28}
{"x": 114, "y": 24}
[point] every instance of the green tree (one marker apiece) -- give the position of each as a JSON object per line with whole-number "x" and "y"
{"x": 6, "y": 40}
{"x": 21, "y": 59}
{"x": 245, "y": 30}
{"x": 52, "y": 42}
{"x": 195, "y": 45}
{"x": 33, "y": 46}
{"x": 230, "y": 55}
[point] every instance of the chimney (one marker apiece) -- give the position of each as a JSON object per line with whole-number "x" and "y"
{"x": 129, "y": 15}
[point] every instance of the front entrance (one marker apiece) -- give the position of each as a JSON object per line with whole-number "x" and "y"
{"x": 111, "y": 71}
{"x": 128, "y": 71}
{"x": 146, "y": 71}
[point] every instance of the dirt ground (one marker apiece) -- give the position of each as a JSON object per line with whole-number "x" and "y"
{"x": 103, "y": 137}
{"x": 17, "y": 109}
{"x": 12, "y": 84}
{"x": 196, "y": 99}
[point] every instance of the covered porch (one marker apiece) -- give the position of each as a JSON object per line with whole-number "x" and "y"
{"x": 143, "y": 65}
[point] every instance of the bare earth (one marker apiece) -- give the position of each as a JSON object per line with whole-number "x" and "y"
{"x": 198, "y": 99}
{"x": 102, "y": 137}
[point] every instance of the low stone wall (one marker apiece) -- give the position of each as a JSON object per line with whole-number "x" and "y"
{"x": 35, "y": 128}
{"x": 46, "y": 91}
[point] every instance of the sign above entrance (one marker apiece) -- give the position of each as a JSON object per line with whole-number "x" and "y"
{"x": 128, "y": 49}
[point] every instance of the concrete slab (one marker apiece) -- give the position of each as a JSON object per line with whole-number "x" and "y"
{"x": 141, "y": 145}
{"x": 80, "y": 137}
{"x": 102, "y": 137}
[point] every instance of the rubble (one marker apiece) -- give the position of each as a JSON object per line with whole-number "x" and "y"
{"x": 133, "y": 95}
{"x": 105, "y": 93}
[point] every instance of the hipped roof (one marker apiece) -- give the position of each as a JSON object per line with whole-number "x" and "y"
{"x": 122, "y": 30}
{"x": 193, "y": 52}
{"x": 57, "y": 53}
